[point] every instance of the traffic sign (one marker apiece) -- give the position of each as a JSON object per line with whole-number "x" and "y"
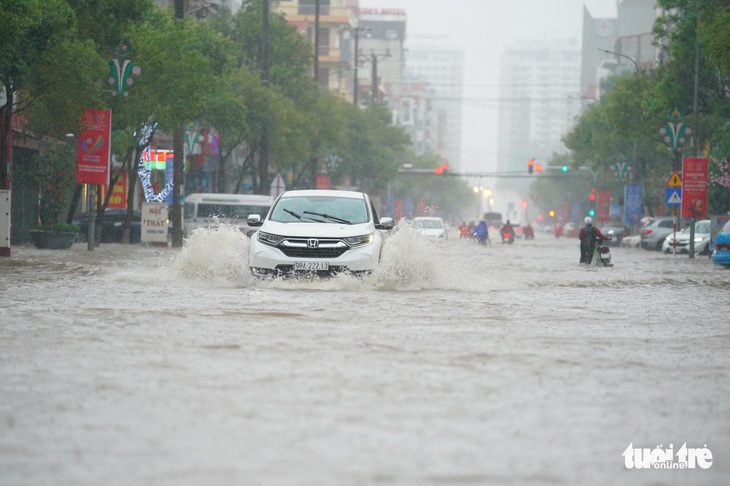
{"x": 675, "y": 180}
{"x": 674, "y": 196}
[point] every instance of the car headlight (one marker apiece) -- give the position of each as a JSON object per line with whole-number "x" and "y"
{"x": 698, "y": 239}
{"x": 269, "y": 239}
{"x": 363, "y": 240}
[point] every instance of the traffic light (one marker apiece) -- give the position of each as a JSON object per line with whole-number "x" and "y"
{"x": 591, "y": 213}
{"x": 592, "y": 195}
{"x": 538, "y": 168}
{"x": 441, "y": 169}
{"x": 564, "y": 168}
{"x": 530, "y": 166}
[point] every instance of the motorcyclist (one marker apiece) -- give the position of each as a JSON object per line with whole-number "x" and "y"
{"x": 481, "y": 233}
{"x": 528, "y": 232}
{"x": 507, "y": 232}
{"x": 589, "y": 235}
{"x": 464, "y": 230}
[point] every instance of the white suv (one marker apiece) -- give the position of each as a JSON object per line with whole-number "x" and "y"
{"x": 318, "y": 231}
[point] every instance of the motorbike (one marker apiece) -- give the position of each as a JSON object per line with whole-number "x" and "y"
{"x": 603, "y": 252}
{"x": 508, "y": 238}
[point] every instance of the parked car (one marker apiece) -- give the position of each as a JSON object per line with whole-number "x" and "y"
{"x": 702, "y": 239}
{"x": 631, "y": 241}
{"x": 318, "y": 231}
{"x": 653, "y": 235}
{"x": 569, "y": 230}
{"x": 430, "y": 226}
{"x": 721, "y": 255}
{"x": 112, "y": 226}
{"x": 616, "y": 232}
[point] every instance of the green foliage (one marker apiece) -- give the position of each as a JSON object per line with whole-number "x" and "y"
{"x": 56, "y": 174}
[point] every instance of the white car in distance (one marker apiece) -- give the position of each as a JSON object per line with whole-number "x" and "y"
{"x": 430, "y": 226}
{"x": 318, "y": 231}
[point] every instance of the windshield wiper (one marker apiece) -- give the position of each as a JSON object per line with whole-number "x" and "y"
{"x": 327, "y": 216}
{"x": 300, "y": 218}
{"x": 292, "y": 213}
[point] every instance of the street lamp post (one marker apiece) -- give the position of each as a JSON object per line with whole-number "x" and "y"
{"x": 636, "y": 65}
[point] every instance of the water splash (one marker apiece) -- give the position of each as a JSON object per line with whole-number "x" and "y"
{"x": 219, "y": 253}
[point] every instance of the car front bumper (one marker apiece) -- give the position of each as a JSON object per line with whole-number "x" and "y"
{"x": 268, "y": 259}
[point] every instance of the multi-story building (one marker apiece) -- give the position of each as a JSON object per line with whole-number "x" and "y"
{"x": 381, "y": 50}
{"x": 441, "y": 64}
{"x": 336, "y": 21}
{"x": 539, "y": 104}
{"x": 613, "y": 44}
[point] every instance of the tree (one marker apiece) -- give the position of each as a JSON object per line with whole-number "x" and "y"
{"x": 44, "y": 66}
{"x": 184, "y": 61}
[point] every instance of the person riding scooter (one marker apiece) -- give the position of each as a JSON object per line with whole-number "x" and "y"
{"x": 589, "y": 235}
{"x": 481, "y": 233}
{"x": 507, "y": 232}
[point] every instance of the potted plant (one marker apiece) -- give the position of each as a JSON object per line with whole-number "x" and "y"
{"x": 56, "y": 172}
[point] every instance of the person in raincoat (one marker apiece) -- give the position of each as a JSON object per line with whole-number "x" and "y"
{"x": 481, "y": 233}
{"x": 589, "y": 235}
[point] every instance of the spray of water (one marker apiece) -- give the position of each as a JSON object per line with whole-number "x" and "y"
{"x": 219, "y": 253}
{"x": 409, "y": 261}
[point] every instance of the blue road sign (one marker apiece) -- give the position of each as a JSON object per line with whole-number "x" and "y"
{"x": 674, "y": 196}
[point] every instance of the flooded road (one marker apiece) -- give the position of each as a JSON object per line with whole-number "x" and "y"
{"x": 452, "y": 364}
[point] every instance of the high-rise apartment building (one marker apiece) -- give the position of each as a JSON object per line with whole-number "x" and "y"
{"x": 436, "y": 61}
{"x": 539, "y": 104}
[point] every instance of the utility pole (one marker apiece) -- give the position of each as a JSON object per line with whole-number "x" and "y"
{"x": 695, "y": 132}
{"x": 263, "y": 171}
{"x": 375, "y": 79}
{"x": 178, "y": 147}
{"x": 356, "y": 61}
{"x": 316, "y": 42}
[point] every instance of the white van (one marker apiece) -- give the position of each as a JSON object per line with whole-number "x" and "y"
{"x": 202, "y": 210}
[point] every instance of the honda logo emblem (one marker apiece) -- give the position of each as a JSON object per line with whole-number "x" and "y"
{"x": 312, "y": 243}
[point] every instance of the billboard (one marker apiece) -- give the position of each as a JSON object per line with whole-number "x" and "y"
{"x": 93, "y": 148}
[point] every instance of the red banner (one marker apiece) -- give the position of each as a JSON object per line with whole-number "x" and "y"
{"x": 694, "y": 188}
{"x": 93, "y": 148}
{"x": 323, "y": 182}
{"x": 603, "y": 206}
{"x": 118, "y": 199}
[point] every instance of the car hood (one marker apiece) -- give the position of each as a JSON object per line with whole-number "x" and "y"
{"x": 431, "y": 231}
{"x": 317, "y": 230}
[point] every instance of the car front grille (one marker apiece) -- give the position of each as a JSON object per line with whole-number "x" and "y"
{"x": 313, "y": 247}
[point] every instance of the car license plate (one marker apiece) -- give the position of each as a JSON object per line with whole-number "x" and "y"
{"x": 311, "y": 266}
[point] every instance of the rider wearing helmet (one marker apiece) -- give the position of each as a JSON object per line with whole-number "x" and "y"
{"x": 588, "y": 236}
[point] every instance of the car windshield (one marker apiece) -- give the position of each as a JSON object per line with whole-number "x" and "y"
{"x": 428, "y": 223}
{"x": 726, "y": 229}
{"x": 320, "y": 209}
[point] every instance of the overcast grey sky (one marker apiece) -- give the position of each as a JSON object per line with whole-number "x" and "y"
{"x": 484, "y": 28}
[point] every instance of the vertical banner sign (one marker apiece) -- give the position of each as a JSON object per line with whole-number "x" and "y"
{"x": 694, "y": 188}
{"x": 603, "y": 206}
{"x": 633, "y": 204}
{"x": 118, "y": 199}
{"x": 93, "y": 148}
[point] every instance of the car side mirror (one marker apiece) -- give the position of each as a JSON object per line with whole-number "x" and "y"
{"x": 385, "y": 224}
{"x": 254, "y": 220}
